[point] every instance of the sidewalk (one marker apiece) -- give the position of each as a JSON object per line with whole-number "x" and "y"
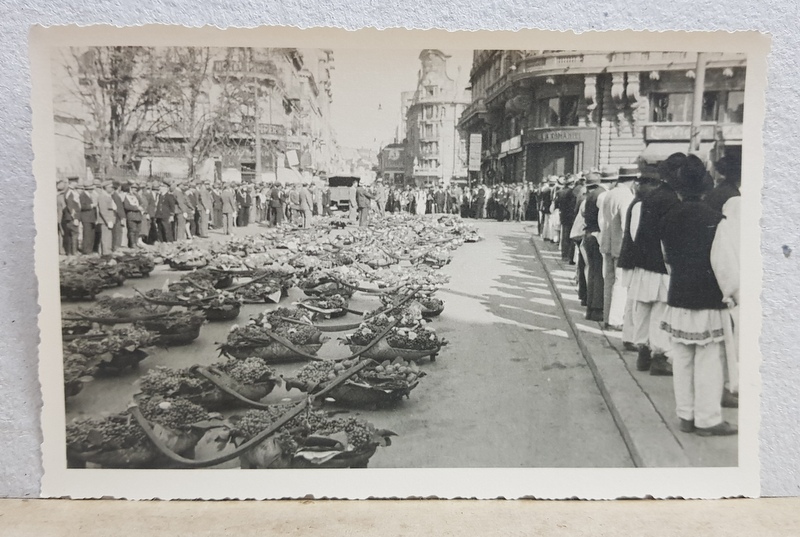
{"x": 642, "y": 405}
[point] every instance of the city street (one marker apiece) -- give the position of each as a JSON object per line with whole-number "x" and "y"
{"x": 524, "y": 382}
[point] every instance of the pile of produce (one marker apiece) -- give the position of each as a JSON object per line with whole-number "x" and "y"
{"x": 112, "y": 350}
{"x": 375, "y": 385}
{"x": 118, "y": 441}
{"x": 187, "y": 258}
{"x": 253, "y": 339}
{"x": 261, "y": 291}
{"x": 410, "y": 338}
{"x": 134, "y": 263}
{"x": 205, "y": 278}
{"x": 252, "y": 378}
{"x": 338, "y": 280}
{"x": 80, "y": 285}
{"x": 310, "y": 440}
{"x": 330, "y": 306}
{"x": 78, "y": 369}
{"x": 106, "y": 268}
{"x": 175, "y": 328}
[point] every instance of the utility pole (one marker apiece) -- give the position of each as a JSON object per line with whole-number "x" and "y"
{"x": 697, "y": 106}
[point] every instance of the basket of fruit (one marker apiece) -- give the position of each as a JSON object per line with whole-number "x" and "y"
{"x": 310, "y": 440}
{"x": 189, "y": 259}
{"x": 429, "y": 306}
{"x": 118, "y": 441}
{"x": 222, "y": 309}
{"x": 125, "y": 307}
{"x": 134, "y": 263}
{"x": 114, "y": 350}
{"x": 264, "y": 291}
{"x": 78, "y": 370}
{"x": 175, "y": 328}
{"x": 251, "y": 378}
{"x": 255, "y": 339}
{"x": 411, "y": 340}
{"x": 326, "y": 307}
{"x": 77, "y": 285}
{"x": 375, "y": 386}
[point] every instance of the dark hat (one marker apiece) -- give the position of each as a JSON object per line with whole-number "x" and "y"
{"x": 668, "y": 169}
{"x": 692, "y": 176}
{"x": 630, "y": 172}
{"x": 73, "y": 179}
{"x": 730, "y": 166}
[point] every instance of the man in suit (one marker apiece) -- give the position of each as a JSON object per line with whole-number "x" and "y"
{"x": 216, "y": 206}
{"x": 120, "y": 223}
{"x": 591, "y": 247}
{"x": 147, "y": 201}
{"x": 204, "y": 207}
{"x": 182, "y": 211}
{"x": 440, "y": 200}
{"x": 228, "y": 208}
{"x": 306, "y": 204}
{"x": 352, "y": 198}
{"x": 275, "y": 205}
{"x": 192, "y": 203}
{"x": 381, "y": 195}
{"x": 164, "y": 216}
{"x": 326, "y": 201}
{"x": 88, "y": 218}
{"x": 363, "y": 202}
{"x": 107, "y": 217}
{"x": 614, "y": 209}
{"x": 133, "y": 214}
{"x": 69, "y": 217}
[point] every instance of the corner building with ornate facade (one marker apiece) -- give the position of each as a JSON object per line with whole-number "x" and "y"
{"x": 543, "y": 113}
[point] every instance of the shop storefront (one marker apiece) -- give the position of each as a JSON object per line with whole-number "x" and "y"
{"x": 559, "y": 151}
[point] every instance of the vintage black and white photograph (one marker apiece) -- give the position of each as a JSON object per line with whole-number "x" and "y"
{"x": 352, "y": 257}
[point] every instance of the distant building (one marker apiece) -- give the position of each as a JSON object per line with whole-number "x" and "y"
{"x": 69, "y": 152}
{"x": 391, "y": 164}
{"x": 435, "y": 151}
{"x": 542, "y": 113}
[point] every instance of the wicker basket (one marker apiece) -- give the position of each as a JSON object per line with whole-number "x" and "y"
{"x": 222, "y": 314}
{"x": 120, "y": 361}
{"x": 383, "y": 351}
{"x": 187, "y": 265}
{"x": 354, "y": 394}
{"x": 274, "y": 353}
{"x": 346, "y": 459}
{"x": 175, "y": 336}
{"x": 216, "y": 399}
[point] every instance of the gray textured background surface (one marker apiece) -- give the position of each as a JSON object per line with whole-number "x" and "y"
{"x": 20, "y": 468}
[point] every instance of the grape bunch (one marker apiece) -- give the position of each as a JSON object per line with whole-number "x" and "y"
{"x": 252, "y": 370}
{"x": 175, "y": 414}
{"x": 104, "y": 434}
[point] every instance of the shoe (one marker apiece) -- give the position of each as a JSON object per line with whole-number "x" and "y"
{"x": 644, "y": 360}
{"x": 660, "y": 366}
{"x": 721, "y": 429}
{"x": 612, "y": 327}
{"x": 686, "y": 426}
{"x": 730, "y": 400}
{"x": 631, "y": 347}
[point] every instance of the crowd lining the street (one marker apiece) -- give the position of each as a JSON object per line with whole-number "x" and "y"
{"x": 656, "y": 251}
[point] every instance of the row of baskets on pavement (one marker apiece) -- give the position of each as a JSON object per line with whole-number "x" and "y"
{"x": 176, "y": 408}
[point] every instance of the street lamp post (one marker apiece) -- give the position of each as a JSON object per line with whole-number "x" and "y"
{"x": 697, "y": 105}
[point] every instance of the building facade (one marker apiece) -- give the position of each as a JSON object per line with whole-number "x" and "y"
{"x": 206, "y": 106}
{"x": 542, "y": 113}
{"x": 435, "y": 150}
{"x": 391, "y": 164}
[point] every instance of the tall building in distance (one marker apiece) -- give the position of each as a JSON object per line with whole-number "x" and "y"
{"x": 542, "y": 113}
{"x": 435, "y": 150}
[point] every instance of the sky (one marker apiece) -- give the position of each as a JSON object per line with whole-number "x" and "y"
{"x": 366, "y": 86}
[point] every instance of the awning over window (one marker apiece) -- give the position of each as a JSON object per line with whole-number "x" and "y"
{"x": 656, "y": 152}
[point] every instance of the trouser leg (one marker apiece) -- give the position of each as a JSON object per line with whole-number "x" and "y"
{"x": 708, "y": 383}
{"x": 609, "y": 277}
{"x": 594, "y": 280}
{"x": 683, "y": 383}
{"x": 641, "y": 322}
{"x": 203, "y": 224}
{"x": 659, "y": 339}
{"x": 619, "y": 298}
{"x": 627, "y": 321}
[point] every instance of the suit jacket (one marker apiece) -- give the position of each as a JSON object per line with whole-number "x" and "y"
{"x": 192, "y": 199}
{"x": 362, "y": 198}
{"x": 88, "y": 209}
{"x": 182, "y": 205}
{"x": 106, "y": 209}
{"x": 166, "y": 206}
{"x": 306, "y": 201}
{"x": 275, "y": 197}
{"x": 72, "y": 208}
{"x": 228, "y": 202}
{"x": 117, "y": 197}
{"x": 615, "y": 208}
{"x": 204, "y": 201}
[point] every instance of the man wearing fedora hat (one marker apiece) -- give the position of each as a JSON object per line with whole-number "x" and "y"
{"x": 591, "y": 248}
{"x": 88, "y": 218}
{"x": 614, "y": 209}
{"x": 107, "y": 217}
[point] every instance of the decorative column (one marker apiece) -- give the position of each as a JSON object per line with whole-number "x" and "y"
{"x": 632, "y": 93}
{"x": 590, "y": 96}
{"x": 618, "y": 97}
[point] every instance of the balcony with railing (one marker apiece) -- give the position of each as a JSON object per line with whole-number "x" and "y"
{"x": 264, "y": 71}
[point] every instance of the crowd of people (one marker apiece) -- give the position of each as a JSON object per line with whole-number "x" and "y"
{"x": 656, "y": 252}
{"x": 100, "y": 217}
